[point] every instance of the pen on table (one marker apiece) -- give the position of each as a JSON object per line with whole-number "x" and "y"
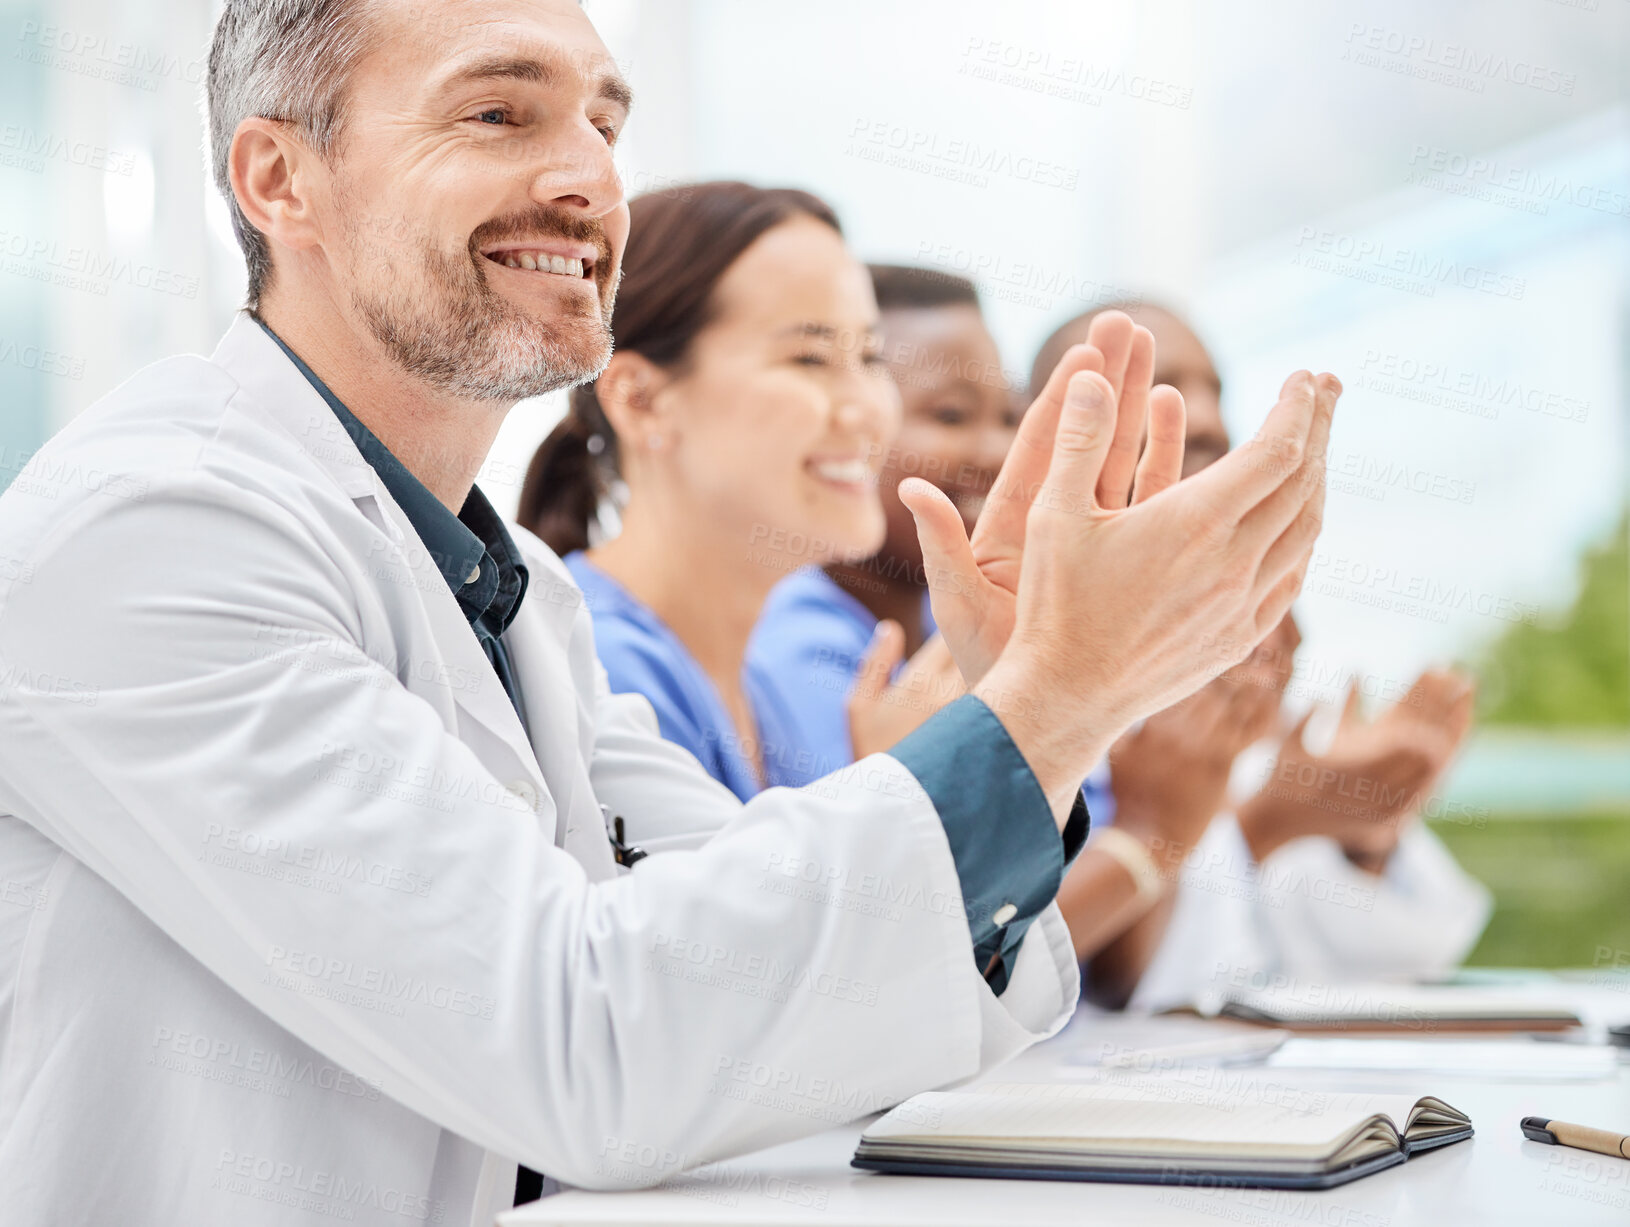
{"x": 1580, "y": 1137}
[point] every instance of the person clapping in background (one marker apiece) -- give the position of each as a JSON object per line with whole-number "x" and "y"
{"x": 1310, "y": 861}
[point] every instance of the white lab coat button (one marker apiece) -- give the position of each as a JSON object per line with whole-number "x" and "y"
{"x": 524, "y": 792}
{"x": 1004, "y": 914}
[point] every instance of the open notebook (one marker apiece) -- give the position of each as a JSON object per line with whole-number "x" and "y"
{"x": 1069, "y": 1132}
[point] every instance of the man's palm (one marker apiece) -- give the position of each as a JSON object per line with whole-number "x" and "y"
{"x": 974, "y": 582}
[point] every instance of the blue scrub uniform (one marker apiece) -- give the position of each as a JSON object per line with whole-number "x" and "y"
{"x": 642, "y": 655}
{"x": 808, "y": 644}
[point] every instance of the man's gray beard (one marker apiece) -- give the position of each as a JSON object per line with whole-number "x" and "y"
{"x": 463, "y": 339}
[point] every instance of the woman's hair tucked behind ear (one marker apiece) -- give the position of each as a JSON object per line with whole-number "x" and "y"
{"x": 681, "y": 244}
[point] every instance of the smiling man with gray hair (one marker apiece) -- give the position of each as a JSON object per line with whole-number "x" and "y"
{"x": 316, "y": 815}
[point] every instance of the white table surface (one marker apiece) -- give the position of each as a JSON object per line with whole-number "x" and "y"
{"x": 1497, "y": 1177}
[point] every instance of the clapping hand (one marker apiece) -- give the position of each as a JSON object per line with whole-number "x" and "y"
{"x": 1373, "y": 776}
{"x": 1170, "y": 774}
{"x": 884, "y": 708}
{"x": 974, "y": 582}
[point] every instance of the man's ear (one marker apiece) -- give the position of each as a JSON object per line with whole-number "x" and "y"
{"x": 627, "y": 390}
{"x": 272, "y": 179}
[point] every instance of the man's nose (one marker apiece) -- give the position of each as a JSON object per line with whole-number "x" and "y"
{"x": 579, "y": 173}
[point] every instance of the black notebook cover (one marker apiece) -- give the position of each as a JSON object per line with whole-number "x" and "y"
{"x": 1173, "y": 1175}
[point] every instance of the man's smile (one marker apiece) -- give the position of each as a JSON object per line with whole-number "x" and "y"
{"x": 557, "y": 258}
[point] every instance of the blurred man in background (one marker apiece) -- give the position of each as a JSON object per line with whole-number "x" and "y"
{"x": 1308, "y": 860}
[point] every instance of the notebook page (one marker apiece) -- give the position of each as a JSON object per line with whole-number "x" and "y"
{"x": 1066, "y": 1114}
{"x": 1242, "y": 1091}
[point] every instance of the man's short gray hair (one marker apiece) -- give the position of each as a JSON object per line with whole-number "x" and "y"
{"x": 288, "y": 60}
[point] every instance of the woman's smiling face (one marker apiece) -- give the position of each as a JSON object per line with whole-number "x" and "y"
{"x": 782, "y": 411}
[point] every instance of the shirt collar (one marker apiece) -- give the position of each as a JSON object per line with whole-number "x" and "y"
{"x": 492, "y": 602}
{"x": 473, "y": 550}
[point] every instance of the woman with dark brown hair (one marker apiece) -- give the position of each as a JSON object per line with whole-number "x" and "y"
{"x": 743, "y": 421}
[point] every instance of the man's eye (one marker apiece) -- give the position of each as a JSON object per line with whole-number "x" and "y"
{"x": 948, "y": 417}
{"x": 810, "y": 360}
{"x": 609, "y": 131}
{"x": 493, "y": 115}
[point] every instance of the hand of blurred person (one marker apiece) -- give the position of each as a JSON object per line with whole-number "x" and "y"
{"x": 1122, "y": 611}
{"x": 974, "y": 581}
{"x": 1436, "y": 715}
{"x": 1180, "y": 776}
{"x": 881, "y": 711}
{"x": 1170, "y": 774}
{"x": 1372, "y": 778}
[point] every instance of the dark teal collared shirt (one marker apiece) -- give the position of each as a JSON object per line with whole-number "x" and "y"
{"x": 473, "y": 550}
{"x": 1009, "y": 855}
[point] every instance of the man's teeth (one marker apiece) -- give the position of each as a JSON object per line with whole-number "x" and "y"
{"x": 542, "y": 262}
{"x": 849, "y": 472}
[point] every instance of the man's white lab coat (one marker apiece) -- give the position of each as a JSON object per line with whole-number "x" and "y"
{"x": 296, "y": 924}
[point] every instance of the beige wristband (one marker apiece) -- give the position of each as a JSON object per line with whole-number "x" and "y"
{"x": 1134, "y": 858}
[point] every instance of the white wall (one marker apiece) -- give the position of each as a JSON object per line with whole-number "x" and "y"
{"x": 1067, "y": 150}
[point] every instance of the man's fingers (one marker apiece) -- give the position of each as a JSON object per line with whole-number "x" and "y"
{"x": 1162, "y": 463}
{"x": 1300, "y": 496}
{"x": 1291, "y": 553}
{"x": 1315, "y": 465}
{"x": 948, "y": 562}
{"x": 1132, "y": 413}
{"x": 1254, "y": 471}
{"x": 1086, "y": 430}
{"x": 1111, "y": 333}
{"x": 877, "y": 667}
{"x": 1327, "y": 391}
{"x": 1002, "y": 518}
{"x": 1275, "y": 603}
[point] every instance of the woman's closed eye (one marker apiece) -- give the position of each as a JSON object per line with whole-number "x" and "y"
{"x": 871, "y": 361}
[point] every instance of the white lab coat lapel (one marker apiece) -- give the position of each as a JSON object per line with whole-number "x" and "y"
{"x": 558, "y": 714}
{"x": 482, "y": 700}
{"x": 460, "y": 683}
